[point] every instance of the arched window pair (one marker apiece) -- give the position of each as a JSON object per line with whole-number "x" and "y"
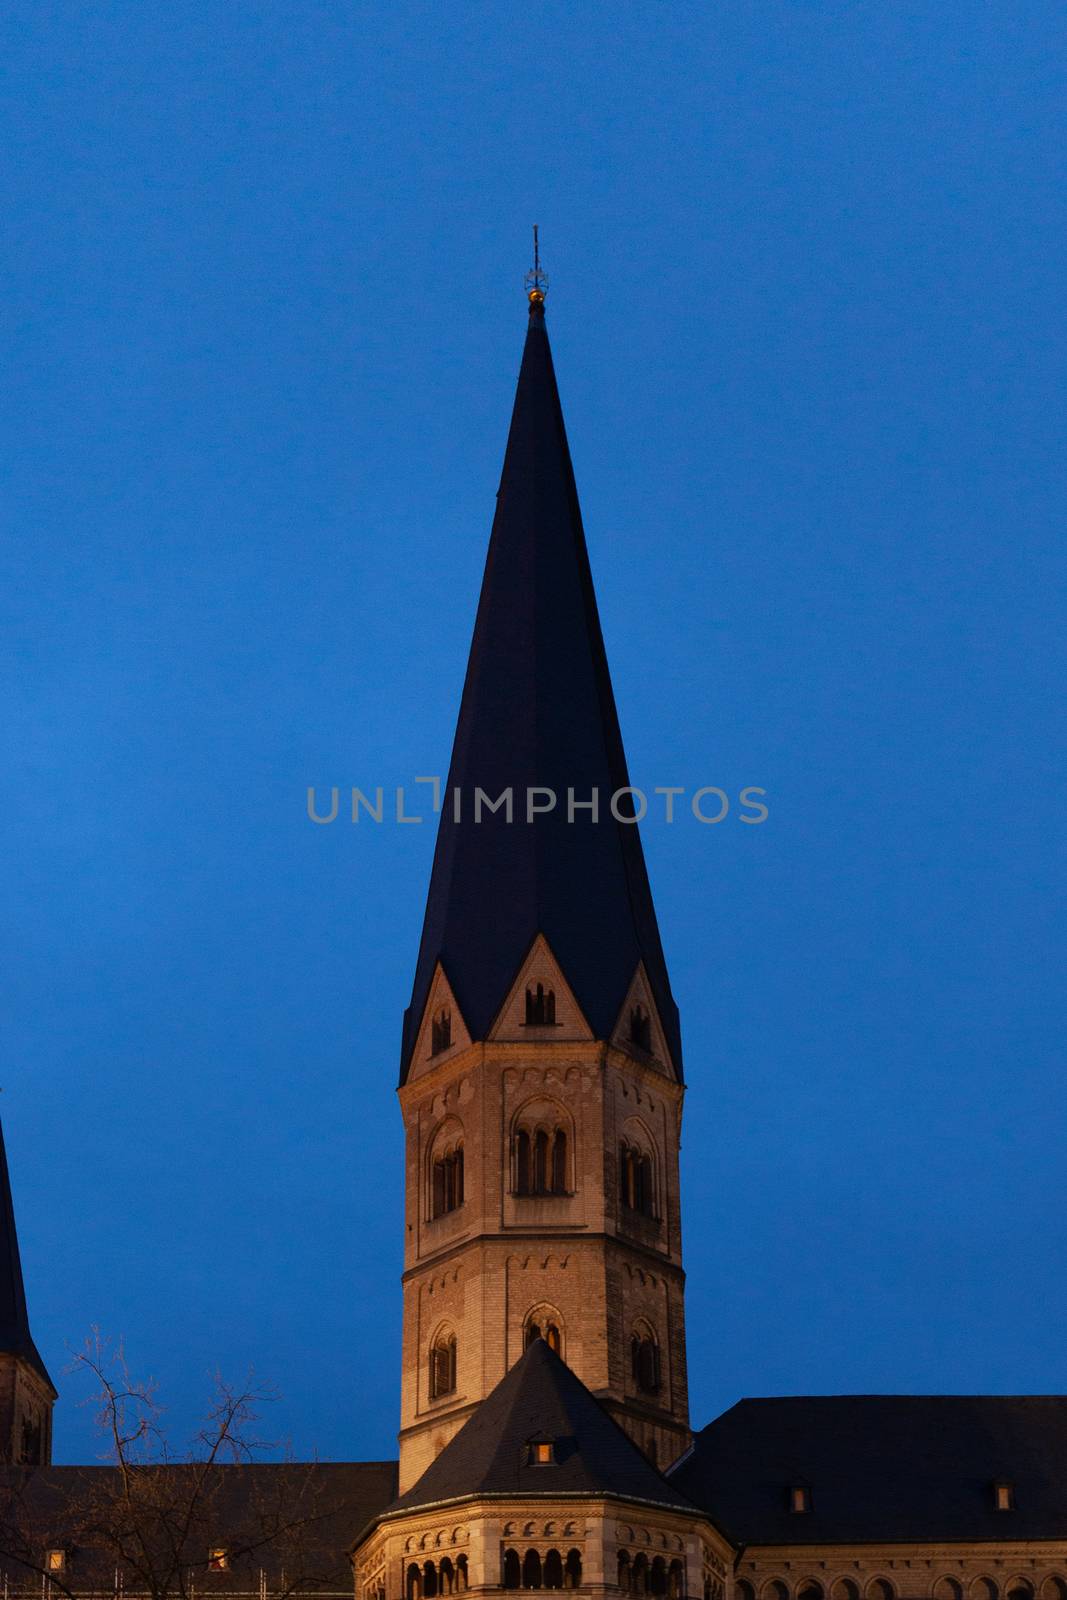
{"x": 541, "y": 1161}
{"x": 530, "y": 1571}
{"x": 641, "y": 1576}
{"x": 436, "y": 1578}
{"x": 644, "y": 1361}
{"x": 636, "y": 1180}
{"x": 447, "y": 1180}
{"x": 540, "y": 1007}
{"x": 440, "y": 1031}
{"x": 547, "y": 1330}
{"x": 443, "y": 1365}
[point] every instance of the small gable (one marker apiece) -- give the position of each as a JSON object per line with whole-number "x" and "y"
{"x": 541, "y": 1005}
{"x": 638, "y": 1029}
{"x": 443, "y": 1032}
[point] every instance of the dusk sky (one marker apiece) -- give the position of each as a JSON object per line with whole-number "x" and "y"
{"x": 262, "y": 313}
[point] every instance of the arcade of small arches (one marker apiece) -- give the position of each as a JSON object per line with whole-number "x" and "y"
{"x": 426, "y": 1579}
{"x": 638, "y": 1575}
{"x": 540, "y": 1156}
{"x": 532, "y": 1570}
{"x": 946, "y": 1587}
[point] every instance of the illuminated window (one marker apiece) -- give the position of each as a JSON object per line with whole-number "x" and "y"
{"x": 218, "y": 1559}
{"x": 542, "y": 1452}
{"x": 1004, "y": 1496}
{"x": 56, "y": 1560}
{"x": 799, "y": 1498}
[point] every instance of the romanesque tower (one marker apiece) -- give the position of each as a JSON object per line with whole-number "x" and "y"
{"x": 541, "y": 1076}
{"x": 27, "y": 1394}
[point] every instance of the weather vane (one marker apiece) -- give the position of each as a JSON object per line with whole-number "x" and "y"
{"x": 535, "y": 280}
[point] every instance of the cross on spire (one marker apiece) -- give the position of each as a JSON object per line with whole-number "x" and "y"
{"x": 536, "y": 282}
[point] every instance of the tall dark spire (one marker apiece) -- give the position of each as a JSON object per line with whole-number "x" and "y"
{"x": 15, "y": 1338}
{"x": 538, "y": 712}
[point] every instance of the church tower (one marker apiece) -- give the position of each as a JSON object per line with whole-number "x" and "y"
{"x": 27, "y": 1393}
{"x": 541, "y": 1072}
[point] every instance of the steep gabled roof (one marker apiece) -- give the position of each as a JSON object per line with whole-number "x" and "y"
{"x": 882, "y": 1468}
{"x": 540, "y": 1398}
{"x": 15, "y": 1337}
{"x": 538, "y": 711}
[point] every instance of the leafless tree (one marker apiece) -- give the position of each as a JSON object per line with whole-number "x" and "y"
{"x": 212, "y": 1518}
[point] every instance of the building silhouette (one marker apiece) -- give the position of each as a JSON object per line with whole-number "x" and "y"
{"x": 545, "y": 1438}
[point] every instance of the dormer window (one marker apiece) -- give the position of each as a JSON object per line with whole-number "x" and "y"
{"x": 441, "y": 1031}
{"x": 542, "y": 1452}
{"x": 540, "y": 1007}
{"x": 1004, "y": 1495}
{"x": 55, "y": 1561}
{"x": 218, "y": 1559}
{"x": 800, "y": 1498}
{"x": 641, "y": 1028}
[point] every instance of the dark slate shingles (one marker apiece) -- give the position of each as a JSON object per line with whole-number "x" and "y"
{"x": 882, "y": 1468}
{"x": 538, "y": 711}
{"x": 540, "y": 1398}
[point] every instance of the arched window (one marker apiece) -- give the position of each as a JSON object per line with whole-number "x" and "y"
{"x": 553, "y": 1575}
{"x": 640, "y": 1573}
{"x": 623, "y": 1579}
{"x": 461, "y": 1573}
{"x": 541, "y": 1156}
{"x": 846, "y": 1589}
{"x": 640, "y": 1027}
{"x": 675, "y": 1580}
{"x": 636, "y": 1180}
{"x": 775, "y": 1590}
{"x": 880, "y": 1589}
{"x": 440, "y": 1031}
{"x": 644, "y": 1358}
{"x": 540, "y": 1007}
{"x": 447, "y": 1575}
{"x": 572, "y": 1570}
{"x": 447, "y": 1180}
{"x": 1019, "y": 1589}
{"x": 442, "y": 1368}
{"x": 531, "y": 1570}
{"x": 1054, "y": 1588}
{"x": 810, "y": 1590}
{"x": 743, "y": 1590}
{"x": 543, "y": 1322}
{"x": 414, "y": 1583}
{"x": 512, "y": 1570}
{"x": 429, "y": 1580}
{"x": 658, "y": 1576}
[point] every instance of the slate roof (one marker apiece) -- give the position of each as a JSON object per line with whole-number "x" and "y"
{"x": 538, "y": 711}
{"x": 323, "y": 1505}
{"x": 540, "y": 1398}
{"x": 882, "y": 1468}
{"x": 15, "y": 1338}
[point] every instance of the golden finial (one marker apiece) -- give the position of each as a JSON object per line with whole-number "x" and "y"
{"x": 536, "y": 282}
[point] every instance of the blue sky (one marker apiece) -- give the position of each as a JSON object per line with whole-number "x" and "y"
{"x": 261, "y": 319}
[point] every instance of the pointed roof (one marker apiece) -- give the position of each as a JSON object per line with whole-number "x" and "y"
{"x": 541, "y": 1398}
{"x": 538, "y": 711}
{"x": 15, "y": 1338}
